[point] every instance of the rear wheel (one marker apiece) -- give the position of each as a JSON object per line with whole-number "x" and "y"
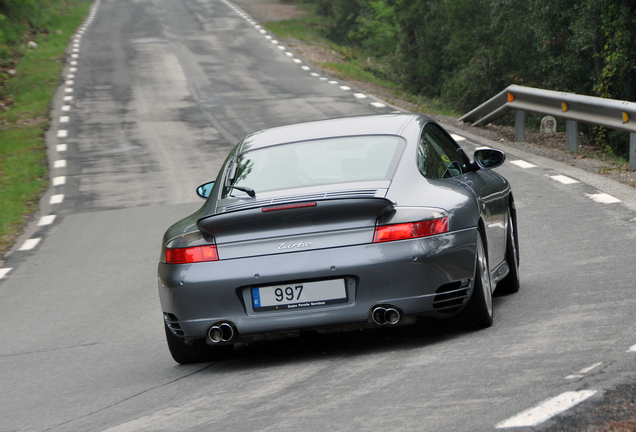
{"x": 510, "y": 284}
{"x": 478, "y": 312}
{"x": 197, "y": 352}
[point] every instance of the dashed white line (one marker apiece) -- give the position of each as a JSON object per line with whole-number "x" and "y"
{"x": 62, "y": 133}
{"x": 261, "y": 31}
{"x": 314, "y": 74}
{"x": 66, "y": 107}
{"x": 73, "y": 63}
{"x": 68, "y": 90}
{"x": 564, "y": 179}
{"x": 458, "y": 137}
{"x": 546, "y": 410}
{"x": 345, "y": 88}
{"x": 275, "y": 42}
{"x": 603, "y": 198}
{"x": 378, "y": 104}
{"x": 333, "y": 82}
{"x": 288, "y": 54}
{"x": 56, "y": 199}
{"x": 46, "y": 220}
{"x": 282, "y": 48}
{"x": 522, "y": 164}
{"x": 61, "y": 147}
{"x": 297, "y": 61}
{"x": 305, "y": 68}
{"x": 632, "y": 349}
{"x": 68, "y": 98}
{"x": 59, "y": 163}
{"x": 64, "y": 119}
{"x": 4, "y": 271}
{"x": 582, "y": 372}
{"x": 30, "y": 244}
{"x": 268, "y": 37}
{"x": 70, "y": 82}
{"x": 59, "y": 180}
{"x": 359, "y": 95}
{"x": 73, "y": 69}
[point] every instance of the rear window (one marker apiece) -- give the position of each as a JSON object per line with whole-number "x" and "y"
{"x": 320, "y": 162}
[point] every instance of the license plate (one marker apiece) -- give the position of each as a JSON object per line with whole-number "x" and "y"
{"x": 299, "y": 295}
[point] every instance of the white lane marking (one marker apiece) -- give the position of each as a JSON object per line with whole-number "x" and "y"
{"x": 56, "y": 199}
{"x": 522, "y": 164}
{"x": 333, "y": 82}
{"x": 261, "y": 31}
{"x": 458, "y": 137}
{"x": 546, "y": 410}
{"x": 59, "y": 163}
{"x": 564, "y": 179}
{"x": 30, "y": 244}
{"x": 75, "y": 50}
{"x": 4, "y": 271}
{"x": 275, "y": 42}
{"x": 582, "y": 372}
{"x": 70, "y": 76}
{"x": 305, "y": 68}
{"x": 70, "y": 82}
{"x": 76, "y": 44}
{"x": 73, "y": 63}
{"x": 632, "y": 349}
{"x": 66, "y": 107}
{"x": 62, "y": 133}
{"x": 288, "y": 54}
{"x": 73, "y": 69}
{"x": 64, "y": 119}
{"x": 297, "y": 61}
{"x": 68, "y": 90}
{"x": 59, "y": 180}
{"x": 74, "y": 56}
{"x": 603, "y": 198}
{"x": 268, "y": 37}
{"x": 378, "y": 104}
{"x": 282, "y": 48}
{"x": 68, "y": 98}
{"x": 46, "y": 220}
{"x": 345, "y": 88}
{"x": 61, "y": 147}
{"x": 360, "y": 95}
{"x": 314, "y": 74}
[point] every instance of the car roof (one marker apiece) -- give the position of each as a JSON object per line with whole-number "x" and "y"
{"x": 384, "y": 124}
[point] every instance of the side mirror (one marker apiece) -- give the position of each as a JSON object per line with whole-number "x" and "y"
{"x": 204, "y": 190}
{"x": 488, "y": 158}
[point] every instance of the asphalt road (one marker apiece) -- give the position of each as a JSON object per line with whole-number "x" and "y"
{"x": 161, "y": 90}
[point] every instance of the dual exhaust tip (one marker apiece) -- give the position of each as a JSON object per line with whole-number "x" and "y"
{"x": 386, "y": 315}
{"x": 220, "y": 332}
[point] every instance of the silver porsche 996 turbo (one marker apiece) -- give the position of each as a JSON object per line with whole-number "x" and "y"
{"x": 336, "y": 225}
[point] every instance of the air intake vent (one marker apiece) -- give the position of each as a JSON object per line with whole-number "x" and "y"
{"x": 450, "y": 297}
{"x": 173, "y": 324}
{"x": 366, "y": 193}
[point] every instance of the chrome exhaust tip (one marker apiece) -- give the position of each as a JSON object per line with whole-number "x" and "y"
{"x": 379, "y": 315}
{"x": 392, "y": 316}
{"x": 220, "y": 332}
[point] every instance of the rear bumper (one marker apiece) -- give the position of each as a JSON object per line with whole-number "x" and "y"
{"x": 405, "y": 274}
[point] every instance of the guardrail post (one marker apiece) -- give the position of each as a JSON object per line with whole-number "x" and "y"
{"x": 632, "y": 151}
{"x": 572, "y": 134}
{"x": 520, "y": 126}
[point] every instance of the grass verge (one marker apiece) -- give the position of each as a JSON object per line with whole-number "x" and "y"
{"x": 27, "y": 99}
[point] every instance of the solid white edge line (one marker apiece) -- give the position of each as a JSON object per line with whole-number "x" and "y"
{"x": 29, "y": 244}
{"x": 46, "y": 220}
{"x": 546, "y": 410}
{"x": 4, "y": 271}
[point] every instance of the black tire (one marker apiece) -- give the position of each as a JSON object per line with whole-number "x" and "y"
{"x": 197, "y": 352}
{"x": 478, "y": 313}
{"x": 510, "y": 284}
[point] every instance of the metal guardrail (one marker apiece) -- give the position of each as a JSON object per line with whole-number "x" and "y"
{"x": 572, "y": 107}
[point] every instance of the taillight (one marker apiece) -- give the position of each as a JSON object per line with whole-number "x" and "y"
{"x": 410, "y": 230}
{"x": 191, "y": 254}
